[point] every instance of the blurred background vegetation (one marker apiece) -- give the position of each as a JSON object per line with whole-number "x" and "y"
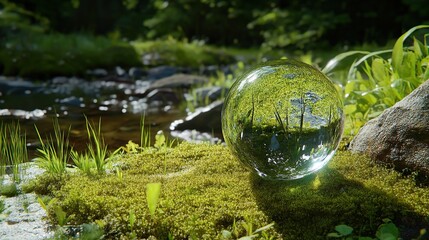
{"x": 74, "y": 35}
{"x": 274, "y": 23}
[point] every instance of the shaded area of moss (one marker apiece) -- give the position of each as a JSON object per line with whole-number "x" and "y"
{"x": 204, "y": 189}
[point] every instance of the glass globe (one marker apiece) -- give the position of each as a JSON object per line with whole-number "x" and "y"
{"x": 283, "y": 119}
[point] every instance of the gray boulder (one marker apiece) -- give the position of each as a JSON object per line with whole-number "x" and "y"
{"x": 399, "y": 137}
{"x": 179, "y": 81}
{"x": 205, "y": 119}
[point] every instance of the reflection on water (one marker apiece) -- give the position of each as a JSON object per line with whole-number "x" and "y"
{"x": 120, "y": 104}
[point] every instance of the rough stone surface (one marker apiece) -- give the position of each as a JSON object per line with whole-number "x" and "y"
{"x": 179, "y": 81}
{"x": 400, "y": 135}
{"x": 17, "y": 222}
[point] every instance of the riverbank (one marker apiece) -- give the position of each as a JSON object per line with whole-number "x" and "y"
{"x": 23, "y": 218}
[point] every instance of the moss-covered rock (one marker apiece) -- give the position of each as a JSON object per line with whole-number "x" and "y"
{"x": 204, "y": 190}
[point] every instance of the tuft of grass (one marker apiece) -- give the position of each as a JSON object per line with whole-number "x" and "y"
{"x": 13, "y": 150}
{"x": 96, "y": 157}
{"x": 97, "y": 148}
{"x": 54, "y": 152}
{"x": 83, "y": 162}
{"x": 145, "y": 138}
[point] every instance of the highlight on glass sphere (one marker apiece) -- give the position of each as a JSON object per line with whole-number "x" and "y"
{"x": 283, "y": 119}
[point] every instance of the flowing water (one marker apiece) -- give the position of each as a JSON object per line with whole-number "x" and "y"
{"x": 119, "y": 104}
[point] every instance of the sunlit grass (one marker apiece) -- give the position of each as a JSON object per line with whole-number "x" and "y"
{"x": 13, "y": 149}
{"x": 82, "y": 161}
{"x": 54, "y": 151}
{"x": 145, "y": 136}
{"x": 96, "y": 157}
{"x": 97, "y": 148}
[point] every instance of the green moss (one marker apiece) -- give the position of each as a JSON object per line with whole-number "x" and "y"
{"x": 41, "y": 55}
{"x": 204, "y": 189}
{"x": 9, "y": 190}
{"x": 182, "y": 53}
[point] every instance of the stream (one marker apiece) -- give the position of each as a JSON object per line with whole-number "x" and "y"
{"x": 119, "y": 102}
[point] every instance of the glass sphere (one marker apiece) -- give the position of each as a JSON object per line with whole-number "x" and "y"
{"x": 283, "y": 119}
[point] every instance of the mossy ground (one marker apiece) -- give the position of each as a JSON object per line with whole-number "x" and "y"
{"x": 205, "y": 189}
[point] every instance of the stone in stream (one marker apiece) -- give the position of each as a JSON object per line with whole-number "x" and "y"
{"x": 98, "y": 72}
{"x": 205, "y": 119}
{"x": 210, "y": 93}
{"x": 136, "y": 72}
{"x": 179, "y": 81}
{"x": 17, "y": 86}
{"x": 163, "y": 95}
{"x": 161, "y": 72}
{"x": 400, "y": 135}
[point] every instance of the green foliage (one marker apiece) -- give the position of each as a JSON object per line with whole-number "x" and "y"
{"x": 46, "y": 183}
{"x": 386, "y": 231}
{"x": 97, "y": 149}
{"x": 96, "y": 158}
{"x": 42, "y": 203}
{"x": 144, "y": 134}
{"x": 42, "y": 55}
{"x": 162, "y": 142}
{"x": 293, "y": 23}
{"x": 9, "y": 190}
{"x": 13, "y": 149}
{"x": 25, "y": 203}
{"x": 250, "y": 234}
{"x": 153, "y": 191}
{"x": 205, "y": 190}
{"x": 225, "y": 81}
{"x": 82, "y": 161}
{"x": 28, "y": 187}
{"x": 181, "y": 53}
{"x": 51, "y": 206}
{"x": 61, "y": 216}
{"x": 375, "y": 83}
{"x": 2, "y": 206}
{"x": 91, "y": 231}
{"x": 131, "y": 222}
{"x": 286, "y": 27}
{"x": 342, "y": 231}
{"x": 16, "y": 18}
{"x": 55, "y": 151}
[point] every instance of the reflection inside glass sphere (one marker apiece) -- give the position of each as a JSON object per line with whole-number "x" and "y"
{"x": 283, "y": 119}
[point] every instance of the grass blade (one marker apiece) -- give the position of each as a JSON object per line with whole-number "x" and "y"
{"x": 334, "y": 61}
{"x": 398, "y": 48}
{"x": 153, "y": 191}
